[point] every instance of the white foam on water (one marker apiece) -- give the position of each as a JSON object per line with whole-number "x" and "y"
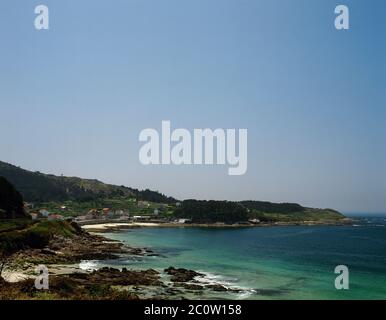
{"x": 88, "y": 265}
{"x": 210, "y": 278}
{"x": 227, "y": 282}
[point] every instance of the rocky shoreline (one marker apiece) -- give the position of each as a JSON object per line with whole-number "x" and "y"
{"x": 67, "y": 281}
{"x": 62, "y": 250}
{"x": 62, "y": 255}
{"x": 111, "y": 284}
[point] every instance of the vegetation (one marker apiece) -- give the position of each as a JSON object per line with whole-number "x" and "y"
{"x": 34, "y": 234}
{"x": 269, "y": 207}
{"x": 11, "y": 207}
{"x": 154, "y": 196}
{"x": 232, "y": 212}
{"x": 16, "y": 235}
{"x": 38, "y": 187}
{"x": 71, "y": 196}
{"x": 212, "y": 211}
{"x": 62, "y": 288}
{"x": 14, "y": 225}
{"x": 11, "y": 201}
{"x": 308, "y": 214}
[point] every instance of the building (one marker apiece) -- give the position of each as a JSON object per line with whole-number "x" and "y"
{"x": 141, "y": 218}
{"x": 34, "y": 216}
{"x": 44, "y": 213}
{"x": 124, "y": 217}
{"x": 52, "y": 217}
{"x": 184, "y": 221}
{"x": 92, "y": 214}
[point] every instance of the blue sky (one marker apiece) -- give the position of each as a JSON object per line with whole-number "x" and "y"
{"x": 74, "y": 98}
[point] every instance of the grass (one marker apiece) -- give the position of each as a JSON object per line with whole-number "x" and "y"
{"x": 34, "y": 234}
{"x": 14, "y": 224}
{"x": 62, "y": 288}
{"x": 50, "y": 228}
{"x": 307, "y": 215}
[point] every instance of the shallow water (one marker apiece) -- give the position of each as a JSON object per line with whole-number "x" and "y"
{"x": 271, "y": 262}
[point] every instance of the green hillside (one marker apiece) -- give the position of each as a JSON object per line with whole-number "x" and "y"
{"x": 231, "y": 212}
{"x": 78, "y": 196}
{"x": 40, "y": 187}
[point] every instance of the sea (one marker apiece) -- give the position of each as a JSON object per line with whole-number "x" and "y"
{"x": 293, "y": 262}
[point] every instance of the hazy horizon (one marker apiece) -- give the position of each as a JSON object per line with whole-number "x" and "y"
{"x": 75, "y": 97}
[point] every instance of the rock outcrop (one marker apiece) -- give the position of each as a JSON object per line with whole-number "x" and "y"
{"x": 181, "y": 275}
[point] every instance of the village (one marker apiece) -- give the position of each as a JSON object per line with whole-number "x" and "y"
{"x": 141, "y": 211}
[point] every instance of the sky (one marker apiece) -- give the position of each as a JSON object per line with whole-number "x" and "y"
{"x": 74, "y": 98}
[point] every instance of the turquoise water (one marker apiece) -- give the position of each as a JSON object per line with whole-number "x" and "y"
{"x": 272, "y": 262}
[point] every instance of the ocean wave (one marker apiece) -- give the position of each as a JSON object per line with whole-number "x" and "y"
{"x": 227, "y": 282}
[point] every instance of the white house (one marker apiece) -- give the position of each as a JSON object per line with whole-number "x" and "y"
{"x": 44, "y": 213}
{"x": 182, "y": 221}
{"x": 34, "y": 216}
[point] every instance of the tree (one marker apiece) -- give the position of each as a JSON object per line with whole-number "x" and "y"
{"x": 202, "y": 211}
{"x": 11, "y": 201}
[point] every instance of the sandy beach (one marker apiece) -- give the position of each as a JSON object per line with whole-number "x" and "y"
{"x": 117, "y": 226}
{"x": 106, "y": 226}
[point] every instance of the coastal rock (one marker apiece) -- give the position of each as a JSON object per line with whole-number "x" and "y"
{"x": 181, "y": 274}
{"x": 217, "y": 287}
{"x": 270, "y": 292}
{"x": 61, "y": 250}
{"x": 64, "y": 287}
{"x": 192, "y": 286}
{"x": 115, "y": 277}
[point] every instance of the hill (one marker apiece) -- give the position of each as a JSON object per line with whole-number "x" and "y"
{"x": 84, "y": 194}
{"x": 269, "y": 207}
{"x": 202, "y": 211}
{"x": 231, "y": 212}
{"x": 40, "y": 187}
{"x": 286, "y": 212}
